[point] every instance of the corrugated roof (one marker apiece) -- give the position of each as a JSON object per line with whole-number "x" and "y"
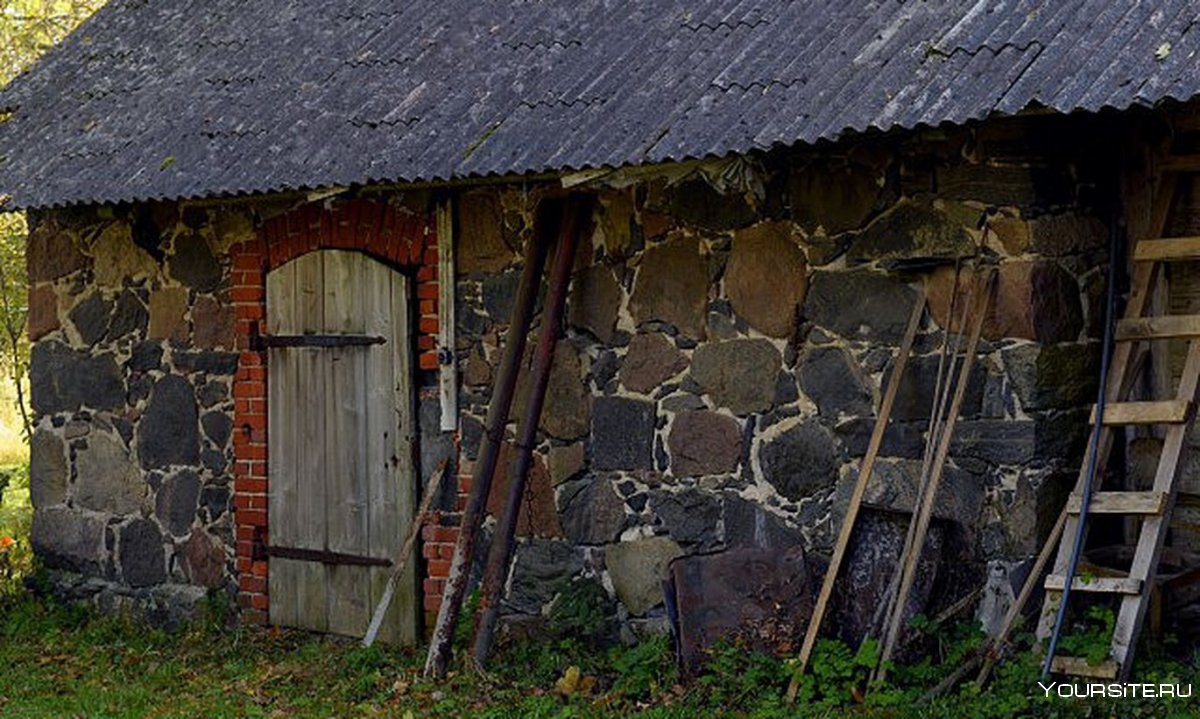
{"x": 193, "y": 98}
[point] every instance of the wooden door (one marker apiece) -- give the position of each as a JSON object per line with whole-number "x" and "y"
{"x": 340, "y": 436}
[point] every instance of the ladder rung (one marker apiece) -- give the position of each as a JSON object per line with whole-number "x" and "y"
{"x": 1180, "y": 163}
{"x": 1079, "y": 667}
{"x": 1099, "y": 585}
{"x": 1171, "y": 411}
{"x": 1169, "y": 249}
{"x": 1121, "y": 503}
{"x": 1158, "y": 328}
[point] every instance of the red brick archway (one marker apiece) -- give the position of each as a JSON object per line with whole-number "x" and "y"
{"x": 394, "y": 235}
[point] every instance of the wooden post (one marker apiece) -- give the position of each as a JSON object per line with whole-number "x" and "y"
{"x": 575, "y": 220}
{"x": 447, "y": 377}
{"x": 493, "y": 436}
{"x": 899, "y": 363}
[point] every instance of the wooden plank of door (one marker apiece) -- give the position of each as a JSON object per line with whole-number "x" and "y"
{"x": 309, "y": 442}
{"x": 282, "y": 574}
{"x": 346, "y": 515}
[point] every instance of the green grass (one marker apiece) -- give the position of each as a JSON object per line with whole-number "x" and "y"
{"x": 65, "y": 662}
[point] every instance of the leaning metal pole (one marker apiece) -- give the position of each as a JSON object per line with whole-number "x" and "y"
{"x": 438, "y": 658}
{"x": 574, "y": 222}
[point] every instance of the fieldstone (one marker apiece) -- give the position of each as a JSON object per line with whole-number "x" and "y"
{"x": 738, "y": 374}
{"x": 481, "y": 245}
{"x": 540, "y": 569}
{"x": 209, "y": 362}
{"x": 567, "y": 412}
{"x": 564, "y": 462}
{"x": 215, "y": 500}
{"x": 217, "y": 427}
{"x": 704, "y": 443}
{"x": 43, "y": 312}
{"x": 537, "y": 515}
{"x": 129, "y": 318}
{"x": 801, "y": 461}
{"x": 63, "y": 380}
{"x": 592, "y": 511}
{"x": 829, "y": 200}
{"x": 616, "y": 222}
{"x": 212, "y": 324}
{"x": 902, "y": 439}
{"x": 622, "y": 434}
{"x": 121, "y": 259}
{"x": 1013, "y": 234}
{"x": 860, "y": 305}
{"x": 918, "y": 384}
{"x": 655, "y": 224}
{"x": 90, "y": 318}
{"x": 51, "y": 252}
{"x": 193, "y": 263}
{"x": 499, "y": 291}
{"x": 830, "y": 378}
{"x": 177, "y": 500}
{"x": 107, "y": 477}
{"x": 1069, "y": 234}
{"x": 766, "y": 277}
{"x": 682, "y": 403}
{"x": 699, "y": 205}
{"x": 145, "y": 356}
{"x": 141, "y": 555}
{"x": 202, "y": 559}
{"x": 212, "y": 392}
{"x": 595, "y": 302}
{"x": 749, "y": 524}
{"x": 1035, "y": 300}
{"x": 169, "y": 431}
{"x": 476, "y": 370}
{"x": 214, "y": 461}
{"x": 1026, "y": 187}
{"x": 894, "y": 484}
{"x": 690, "y": 517}
{"x": 637, "y": 570}
{"x": 652, "y": 359}
{"x": 996, "y": 441}
{"x": 672, "y": 286}
{"x": 48, "y": 470}
{"x": 68, "y": 539}
{"x": 1053, "y": 376}
{"x": 167, "y": 308}
{"x": 909, "y": 232}
{"x": 871, "y": 562}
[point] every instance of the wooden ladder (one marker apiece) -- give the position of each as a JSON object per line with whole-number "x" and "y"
{"x": 1138, "y": 327}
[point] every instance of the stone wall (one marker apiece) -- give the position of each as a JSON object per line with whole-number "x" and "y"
{"x": 723, "y": 362}
{"x": 726, "y": 355}
{"x": 133, "y": 362}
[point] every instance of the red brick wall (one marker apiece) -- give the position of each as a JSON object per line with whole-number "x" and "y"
{"x": 394, "y": 235}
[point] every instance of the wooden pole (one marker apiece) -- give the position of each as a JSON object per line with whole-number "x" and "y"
{"x": 401, "y": 561}
{"x": 899, "y": 363}
{"x": 575, "y": 219}
{"x": 455, "y": 591}
{"x": 912, "y": 552}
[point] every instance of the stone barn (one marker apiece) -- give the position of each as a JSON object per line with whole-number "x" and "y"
{"x": 274, "y": 249}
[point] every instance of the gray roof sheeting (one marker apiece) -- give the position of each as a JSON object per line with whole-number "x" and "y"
{"x": 157, "y": 99}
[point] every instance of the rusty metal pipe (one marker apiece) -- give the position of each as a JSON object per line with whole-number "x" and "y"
{"x": 575, "y": 219}
{"x": 438, "y": 658}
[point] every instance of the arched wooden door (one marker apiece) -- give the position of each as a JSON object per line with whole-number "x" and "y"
{"x": 340, "y": 438}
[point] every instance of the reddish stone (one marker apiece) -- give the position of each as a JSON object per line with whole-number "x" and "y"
{"x": 539, "y": 515}
{"x": 43, "y": 312}
{"x": 212, "y": 324}
{"x": 1035, "y": 300}
{"x": 52, "y": 253}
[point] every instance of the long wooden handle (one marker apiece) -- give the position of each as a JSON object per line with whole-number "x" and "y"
{"x": 406, "y": 549}
{"x": 860, "y": 488}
